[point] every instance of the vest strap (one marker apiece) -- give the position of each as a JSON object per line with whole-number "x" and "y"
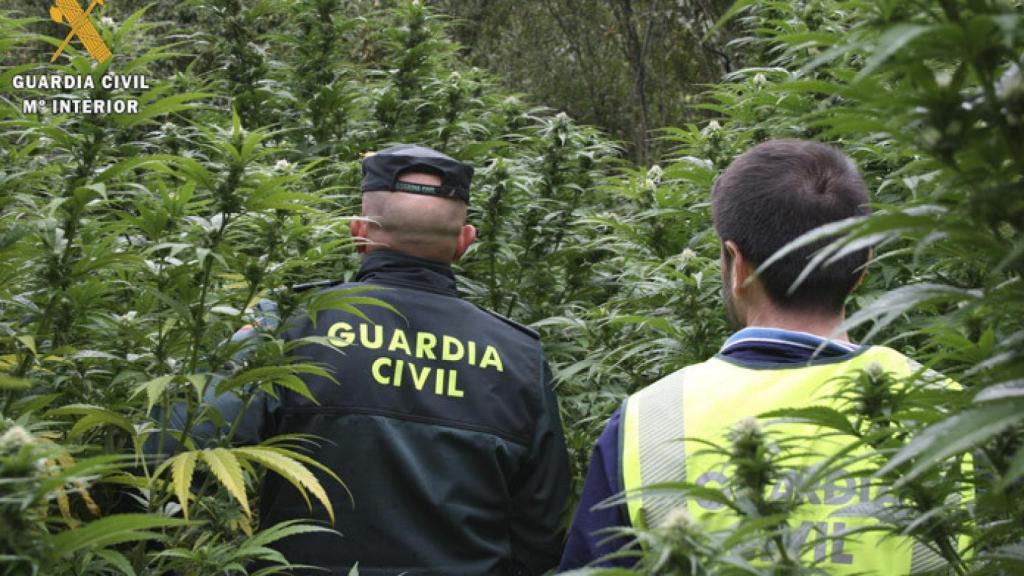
{"x": 653, "y": 450}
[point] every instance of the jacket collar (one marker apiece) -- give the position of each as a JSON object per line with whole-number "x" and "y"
{"x": 407, "y": 271}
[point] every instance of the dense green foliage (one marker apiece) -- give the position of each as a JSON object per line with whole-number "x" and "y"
{"x": 630, "y": 67}
{"x": 131, "y": 248}
{"x": 927, "y": 100}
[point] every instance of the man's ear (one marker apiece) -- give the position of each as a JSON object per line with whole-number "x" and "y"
{"x": 466, "y": 238}
{"x": 359, "y": 227}
{"x": 742, "y": 273}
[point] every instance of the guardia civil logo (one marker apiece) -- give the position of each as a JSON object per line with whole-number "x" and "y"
{"x": 53, "y": 91}
{"x": 68, "y": 11}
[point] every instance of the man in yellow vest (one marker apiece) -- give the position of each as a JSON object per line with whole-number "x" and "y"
{"x": 787, "y": 354}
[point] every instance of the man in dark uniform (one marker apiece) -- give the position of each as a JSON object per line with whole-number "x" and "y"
{"x": 443, "y": 423}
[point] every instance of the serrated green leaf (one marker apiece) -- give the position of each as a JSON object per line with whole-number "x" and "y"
{"x": 293, "y": 471}
{"x": 954, "y": 435}
{"x": 819, "y": 415}
{"x": 182, "y": 471}
{"x": 345, "y": 300}
{"x": 111, "y": 530}
{"x": 154, "y": 389}
{"x": 92, "y": 416}
{"x": 13, "y": 383}
{"x": 226, "y": 469}
{"x": 117, "y": 560}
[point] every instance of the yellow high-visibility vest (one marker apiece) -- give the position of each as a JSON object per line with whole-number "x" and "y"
{"x": 706, "y": 400}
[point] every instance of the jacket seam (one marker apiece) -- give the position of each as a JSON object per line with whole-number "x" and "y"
{"x": 403, "y": 416}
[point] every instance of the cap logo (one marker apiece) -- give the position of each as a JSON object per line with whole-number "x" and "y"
{"x": 402, "y": 186}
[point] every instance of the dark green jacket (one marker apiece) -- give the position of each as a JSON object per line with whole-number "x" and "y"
{"x": 444, "y": 427}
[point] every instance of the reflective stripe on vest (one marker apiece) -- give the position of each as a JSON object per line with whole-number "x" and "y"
{"x": 704, "y": 401}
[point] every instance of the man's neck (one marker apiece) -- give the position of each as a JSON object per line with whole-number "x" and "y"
{"x": 823, "y": 325}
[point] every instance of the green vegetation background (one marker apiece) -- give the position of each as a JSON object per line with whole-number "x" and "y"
{"x": 131, "y": 247}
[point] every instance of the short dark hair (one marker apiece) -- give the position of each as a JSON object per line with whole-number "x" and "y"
{"x": 777, "y": 191}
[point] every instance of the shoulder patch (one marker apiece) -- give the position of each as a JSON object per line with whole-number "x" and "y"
{"x": 522, "y": 328}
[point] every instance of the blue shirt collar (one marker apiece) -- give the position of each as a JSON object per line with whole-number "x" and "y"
{"x": 776, "y": 336}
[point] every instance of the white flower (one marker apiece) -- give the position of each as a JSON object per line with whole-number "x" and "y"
{"x": 711, "y": 128}
{"x": 748, "y": 425}
{"x": 108, "y": 22}
{"x": 654, "y": 176}
{"x": 876, "y": 371}
{"x": 282, "y": 165}
{"x": 15, "y": 436}
{"x": 678, "y": 519}
{"x": 760, "y": 80}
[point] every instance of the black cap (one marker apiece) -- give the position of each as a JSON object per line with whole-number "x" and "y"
{"x": 382, "y": 169}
